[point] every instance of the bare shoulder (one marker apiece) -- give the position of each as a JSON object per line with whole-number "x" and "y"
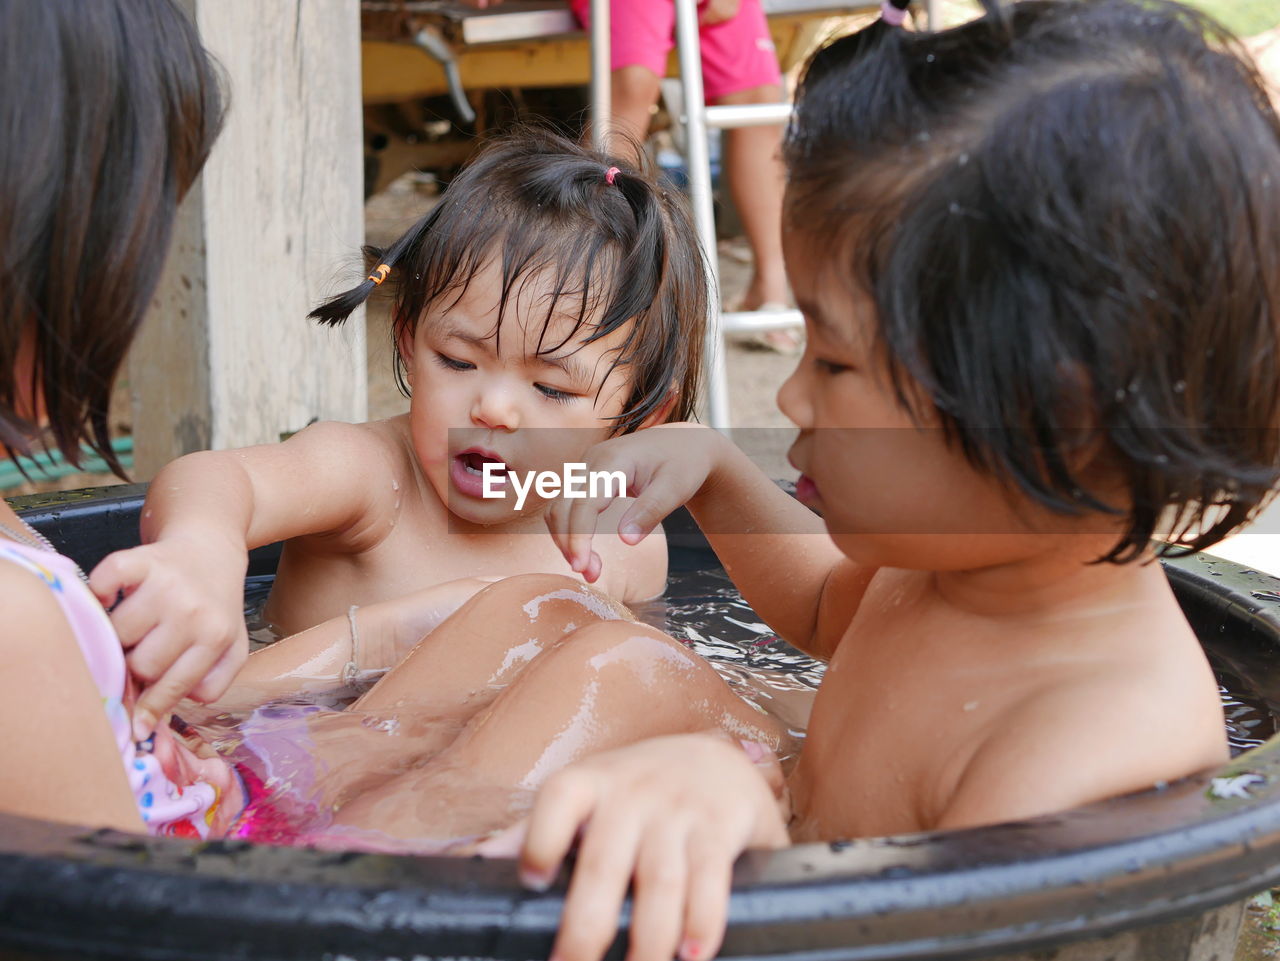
{"x": 364, "y": 470}
{"x": 320, "y": 454}
{"x": 1089, "y": 734}
{"x": 345, "y": 439}
{"x": 392, "y": 438}
{"x": 52, "y": 716}
{"x": 38, "y": 643}
{"x": 31, "y": 612}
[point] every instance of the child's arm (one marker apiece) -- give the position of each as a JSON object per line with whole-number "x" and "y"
{"x": 779, "y": 554}
{"x": 775, "y": 549}
{"x": 320, "y": 658}
{"x": 58, "y": 754}
{"x": 182, "y": 616}
{"x": 667, "y": 817}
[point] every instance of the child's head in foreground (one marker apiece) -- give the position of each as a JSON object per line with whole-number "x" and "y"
{"x": 1054, "y": 234}
{"x": 108, "y": 110}
{"x": 552, "y": 287}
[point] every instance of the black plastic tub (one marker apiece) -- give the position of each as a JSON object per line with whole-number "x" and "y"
{"x": 1159, "y": 876}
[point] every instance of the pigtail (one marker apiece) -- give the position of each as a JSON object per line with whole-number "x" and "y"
{"x": 646, "y": 255}
{"x": 335, "y": 311}
{"x": 666, "y": 283}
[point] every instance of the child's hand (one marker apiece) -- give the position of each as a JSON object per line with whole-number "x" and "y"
{"x": 181, "y": 619}
{"x": 668, "y": 817}
{"x": 664, "y": 466}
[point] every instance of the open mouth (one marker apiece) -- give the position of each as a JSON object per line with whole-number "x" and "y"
{"x": 479, "y": 473}
{"x": 473, "y": 461}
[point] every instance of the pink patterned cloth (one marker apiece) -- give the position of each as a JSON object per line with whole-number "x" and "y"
{"x": 183, "y": 809}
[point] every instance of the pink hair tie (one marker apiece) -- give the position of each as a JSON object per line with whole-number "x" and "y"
{"x": 610, "y": 174}
{"x": 893, "y": 16}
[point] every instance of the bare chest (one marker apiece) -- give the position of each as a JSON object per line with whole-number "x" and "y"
{"x": 899, "y": 713}
{"x": 314, "y": 584}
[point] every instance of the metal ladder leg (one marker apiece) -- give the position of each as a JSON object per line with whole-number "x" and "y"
{"x": 601, "y": 74}
{"x": 698, "y": 118}
{"x": 699, "y": 166}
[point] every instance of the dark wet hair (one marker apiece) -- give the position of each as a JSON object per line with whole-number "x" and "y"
{"x": 1067, "y": 214}
{"x": 109, "y": 110}
{"x": 615, "y": 252}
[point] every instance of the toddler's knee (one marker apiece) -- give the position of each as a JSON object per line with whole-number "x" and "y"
{"x": 606, "y": 644}
{"x": 550, "y": 598}
{"x": 529, "y": 585}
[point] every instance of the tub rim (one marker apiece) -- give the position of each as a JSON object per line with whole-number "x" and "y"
{"x": 1122, "y": 863}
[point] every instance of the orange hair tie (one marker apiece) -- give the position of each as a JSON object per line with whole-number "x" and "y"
{"x": 380, "y": 273}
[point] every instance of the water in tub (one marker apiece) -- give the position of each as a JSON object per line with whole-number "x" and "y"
{"x": 286, "y": 749}
{"x": 280, "y": 743}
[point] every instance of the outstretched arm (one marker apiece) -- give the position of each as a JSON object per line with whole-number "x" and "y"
{"x": 775, "y": 549}
{"x": 778, "y": 553}
{"x": 181, "y": 618}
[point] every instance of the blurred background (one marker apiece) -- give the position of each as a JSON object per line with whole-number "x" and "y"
{"x": 436, "y": 77}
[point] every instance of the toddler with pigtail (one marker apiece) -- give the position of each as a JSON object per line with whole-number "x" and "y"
{"x": 553, "y": 298}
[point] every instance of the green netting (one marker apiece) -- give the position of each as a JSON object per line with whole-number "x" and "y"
{"x": 1243, "y": 17}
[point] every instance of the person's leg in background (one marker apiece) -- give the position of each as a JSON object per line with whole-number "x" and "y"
{"x": 640, "y": 37}
{"x": 740, "y": 66}
{"x": 753, "y": 164}
{"x": 634, "y": 91}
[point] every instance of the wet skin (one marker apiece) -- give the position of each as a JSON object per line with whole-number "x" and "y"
{"x": 985, "y": 661}
{"x": 446, "y": 747}
{"x": 470, "y": 393}
{"x": 371, "y": 512}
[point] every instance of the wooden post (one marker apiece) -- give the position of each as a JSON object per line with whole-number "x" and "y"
{"x": 227, "y": 357}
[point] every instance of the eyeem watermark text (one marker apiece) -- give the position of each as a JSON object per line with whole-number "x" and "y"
{"x": 576, "y": 482}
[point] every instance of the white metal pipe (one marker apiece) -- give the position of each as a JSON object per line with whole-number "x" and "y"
{"x": 430, "y": 42}
{"x": 725, "y": 116}
{"x": 742, "y": 321}
{"x": 601, "y": 74}
{"x": 933, "y": 12}
{"x": 699, "y": 163}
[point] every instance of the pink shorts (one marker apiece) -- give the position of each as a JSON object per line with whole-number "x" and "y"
{"x": 737, "y": 54}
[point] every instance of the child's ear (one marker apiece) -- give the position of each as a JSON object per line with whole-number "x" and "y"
{"x": 1074, "y": 407}
{"x": 404, "y": 345}
{"x": 1084, "y": 446}
{"x": 662, "y": 412}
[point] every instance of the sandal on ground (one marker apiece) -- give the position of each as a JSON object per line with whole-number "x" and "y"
{"x": 788, "y": 341}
